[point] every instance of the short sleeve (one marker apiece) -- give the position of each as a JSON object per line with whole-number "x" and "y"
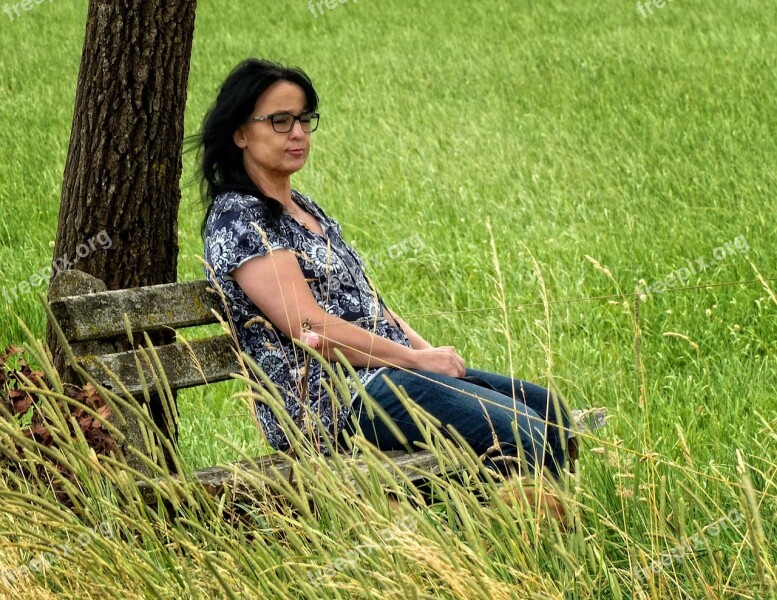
{"x": 240, "y": 228}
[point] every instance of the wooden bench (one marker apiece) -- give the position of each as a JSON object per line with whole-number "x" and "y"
{"x": 96, "y": 322}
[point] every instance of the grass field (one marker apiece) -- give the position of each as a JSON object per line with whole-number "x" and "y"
{"x": 609, "y": 147}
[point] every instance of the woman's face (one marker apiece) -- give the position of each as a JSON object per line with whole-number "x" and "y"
{"x": 265, "y": 151}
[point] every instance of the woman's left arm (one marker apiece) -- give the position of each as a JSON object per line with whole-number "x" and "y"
{"x": 416, "y": 341}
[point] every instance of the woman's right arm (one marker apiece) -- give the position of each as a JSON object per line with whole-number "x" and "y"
{"x": 276, "y": 285}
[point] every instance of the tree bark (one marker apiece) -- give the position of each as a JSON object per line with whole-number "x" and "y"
{"x": 120, "y": 192}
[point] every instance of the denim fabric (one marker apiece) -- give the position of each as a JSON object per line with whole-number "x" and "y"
{"x": 457, "y": 402}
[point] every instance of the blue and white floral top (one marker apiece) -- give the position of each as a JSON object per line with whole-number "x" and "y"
{"x": 239, "y": 227}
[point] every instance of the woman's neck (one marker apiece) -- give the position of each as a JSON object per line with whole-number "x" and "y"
{"x": 275, "y": 187}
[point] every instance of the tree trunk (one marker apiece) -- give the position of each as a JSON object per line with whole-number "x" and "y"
{"x": 120, "y": 194}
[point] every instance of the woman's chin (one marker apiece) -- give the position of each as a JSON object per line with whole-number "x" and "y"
{"x": 295, "y": 165}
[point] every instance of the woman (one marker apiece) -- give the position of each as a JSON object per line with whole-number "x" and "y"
{"x": 284, "y": 268}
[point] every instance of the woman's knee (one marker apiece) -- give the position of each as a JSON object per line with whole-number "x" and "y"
{"x": 523, "y": 431}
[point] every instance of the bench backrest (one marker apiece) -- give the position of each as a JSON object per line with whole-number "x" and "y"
{"x": 95, "y": 322}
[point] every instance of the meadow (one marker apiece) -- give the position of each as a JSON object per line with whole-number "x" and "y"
{"x": 582, "y": 194}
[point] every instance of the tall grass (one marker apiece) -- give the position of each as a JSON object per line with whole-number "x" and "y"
{"x": 574, "y": 130}
{"x": 329, "y": 531}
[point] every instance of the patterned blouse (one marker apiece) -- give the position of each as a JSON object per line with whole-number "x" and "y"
{"x": 239, "y": 227}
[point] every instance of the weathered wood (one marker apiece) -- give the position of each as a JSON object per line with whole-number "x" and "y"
{"x": 92, "y": 316}
{"x": 75, "y": 283}
{"x": 415, "y": 466}
{"x": 219, "y": 480}
{"x": 189, "y": 364}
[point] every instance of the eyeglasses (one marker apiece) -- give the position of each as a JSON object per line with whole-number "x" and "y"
{"x": 284, "y": 122}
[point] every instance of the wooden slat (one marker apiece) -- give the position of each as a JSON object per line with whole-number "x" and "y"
{"x": 219, "y": 479}
{"x": 215, "y": 356}
{"x": 170, "y": 305}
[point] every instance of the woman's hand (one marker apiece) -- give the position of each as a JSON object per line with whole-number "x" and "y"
{"x": 442, "y": 360}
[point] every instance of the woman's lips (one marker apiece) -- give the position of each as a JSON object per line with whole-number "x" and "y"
{"x": 296, "y": 152}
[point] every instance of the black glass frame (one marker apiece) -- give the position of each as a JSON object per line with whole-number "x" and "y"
{"x": 311, "y": 123}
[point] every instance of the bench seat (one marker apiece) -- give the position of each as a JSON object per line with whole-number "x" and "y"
{"x": 97, "y": 325}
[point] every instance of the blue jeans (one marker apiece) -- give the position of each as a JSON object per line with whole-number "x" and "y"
{"x": 479, "y": 407}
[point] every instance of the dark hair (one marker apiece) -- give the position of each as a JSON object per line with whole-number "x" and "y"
{"x": 221, "y": 161}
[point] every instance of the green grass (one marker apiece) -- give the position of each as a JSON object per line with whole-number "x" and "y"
{"x": 563, "y": 130}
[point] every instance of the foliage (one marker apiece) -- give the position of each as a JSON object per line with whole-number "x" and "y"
{"x": 17, "y": 385}
{"x": 23, "y": 394}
